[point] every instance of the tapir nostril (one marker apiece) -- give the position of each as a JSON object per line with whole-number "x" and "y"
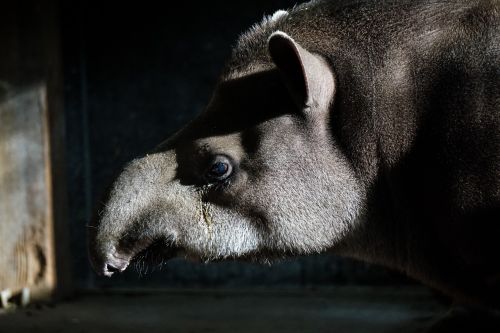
{"x": 112, "y": 269}
{"x": 115, "y": 265}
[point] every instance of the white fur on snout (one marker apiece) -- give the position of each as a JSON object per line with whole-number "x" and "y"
{"x": 143, "y": 205}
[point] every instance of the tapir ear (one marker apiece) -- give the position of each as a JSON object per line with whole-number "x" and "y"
{"x": 308, "y": 76}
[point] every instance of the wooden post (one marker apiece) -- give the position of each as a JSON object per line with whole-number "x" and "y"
{"x": 32, "y": 186}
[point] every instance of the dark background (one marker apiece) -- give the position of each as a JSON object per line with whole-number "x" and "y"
{"x": 135, "y": 73}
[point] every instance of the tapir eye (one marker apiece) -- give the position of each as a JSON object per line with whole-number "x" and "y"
{"x": 220, "y": 169}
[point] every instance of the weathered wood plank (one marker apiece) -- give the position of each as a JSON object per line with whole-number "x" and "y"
{"x": 26, "y": 246}
{"x": 32, "y": 177}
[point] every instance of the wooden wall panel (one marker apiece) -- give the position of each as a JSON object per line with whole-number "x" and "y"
{"x": 32, "y": 169}
{"x": 27, "y": 246}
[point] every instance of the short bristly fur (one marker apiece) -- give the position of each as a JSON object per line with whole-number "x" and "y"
{"x": 368, "y": 128}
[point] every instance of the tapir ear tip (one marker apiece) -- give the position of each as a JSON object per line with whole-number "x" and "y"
{"x": 279, "y": 34}
{"x": 280, "y": 42}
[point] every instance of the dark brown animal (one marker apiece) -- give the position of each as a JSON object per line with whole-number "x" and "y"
{"x": 366, "y": 128}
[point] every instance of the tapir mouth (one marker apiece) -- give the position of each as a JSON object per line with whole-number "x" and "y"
{"x": 148, "y": 251}
{"x": 156, "y": 253}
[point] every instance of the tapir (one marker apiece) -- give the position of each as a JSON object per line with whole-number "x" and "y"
{"x": 369, "y": 129}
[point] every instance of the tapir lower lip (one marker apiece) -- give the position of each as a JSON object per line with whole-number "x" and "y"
{"x": 120, "y": 258}
{"x": 157, "y": 252}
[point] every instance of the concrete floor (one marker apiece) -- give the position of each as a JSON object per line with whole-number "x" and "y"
{"x": 347, "y": 309}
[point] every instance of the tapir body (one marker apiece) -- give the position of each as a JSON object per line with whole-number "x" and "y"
{"x": 366, "y": 128}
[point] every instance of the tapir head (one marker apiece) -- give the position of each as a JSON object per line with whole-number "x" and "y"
{"x": 257, "y": 175}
